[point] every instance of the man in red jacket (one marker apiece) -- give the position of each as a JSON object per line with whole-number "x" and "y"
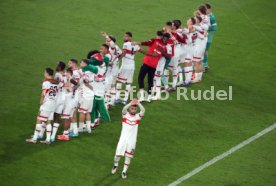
{"x": 156, "y": 49}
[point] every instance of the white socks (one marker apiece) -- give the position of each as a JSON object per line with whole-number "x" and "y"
{"x": 42, "y": 130}
{"x": 113, "y": 95}
{"x": 55, "y": 129}
{"x": 175, "y": 76}
{"x": 81, "y": 126}
{"x": 142, "y": 94}
{"x": 127, "y": 92}
{"x": 74, "y": 127}
{"x": 37, "y": 131}
{"x": 127, "y": 162}
{"x": 116, "y": 160}
{"x": 118, "y": 92}
{"x": 88, "y": 126}
{"x": 48, "y": 132}
{"x": 180, "y": 74}
{"x": 158, "y": 86}
{"x": 188, "y": 74}
{"x": 199, "y": 76}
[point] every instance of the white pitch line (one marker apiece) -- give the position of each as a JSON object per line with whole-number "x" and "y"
{"x": 223, "y": 155}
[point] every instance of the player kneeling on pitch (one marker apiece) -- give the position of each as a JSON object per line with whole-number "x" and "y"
{"x": 127, "y": 142}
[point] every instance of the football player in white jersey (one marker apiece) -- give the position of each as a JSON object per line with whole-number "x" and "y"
{"x": 127, "y": 143}
{"x": 86, "y": 99}
{"x": 127, "y": 68}
{"x": 201, "y": 28}
{"x": 178, "y": 40}
{"x": 69, "y": 105}
{"x": 60, "y": 76}
{"x": 73, "y": 64}
{"x": 188, "y": 55}
{"x": 47, "y": 106}
{"x": 113, "y": 68}
{"x": 126, "y": 72}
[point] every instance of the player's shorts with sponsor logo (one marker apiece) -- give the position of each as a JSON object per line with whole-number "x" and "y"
{"x": 46, "y": 111}
{"x": 199, "y": 49}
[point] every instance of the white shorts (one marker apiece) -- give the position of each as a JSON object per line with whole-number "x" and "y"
{"x": 59, "y": 108}
{"x": 86, "y": 105}
{"x": 199, "y": 49}
{"x": 69, "y": 107}
{"x": 60, "y": 103}
{"x": 108, "y": 71}
{"x": 125, "y": 75}
{"x": 45, "y": 115}
{"x": 126, "y": 148}
{"x": 115, "y": 71}
{"x": 160, "y": 66}
{"x": 175, "y": 60}
{"x": 188, "y": 54}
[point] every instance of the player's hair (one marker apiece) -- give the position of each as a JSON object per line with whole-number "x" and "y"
{"x": 193, "y": 20}
{"x": 69, "y": 70}
{"x": 105, "y": 46}
{"x": 208, "y": 5}
{"x": 49, "y": 71}
{"x": 61, "y": 65}
{"x": 159, "y": 33}
{"x": 74, "y": 61}
{"x": 129, "y": 34}
{"x": 167, "y": 35}
{"x": 202, "y": 9}
{"x": 134, "y": 106}
{"x": 112, "y": 38}
{"x": 91, "y": 53}
{"x": 86, "y": 61}
{"x": 199, "y": 18}
{"x": 177, "y": 23}
{"x": 169, "y": 23}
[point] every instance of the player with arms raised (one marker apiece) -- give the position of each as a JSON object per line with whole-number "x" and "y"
{"x": 127, "y": 142}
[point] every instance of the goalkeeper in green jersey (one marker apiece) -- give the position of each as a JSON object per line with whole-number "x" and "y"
{"x": 212, "y": 29}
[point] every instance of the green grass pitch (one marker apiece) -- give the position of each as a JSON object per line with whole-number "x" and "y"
{"x": 175, "y": 136}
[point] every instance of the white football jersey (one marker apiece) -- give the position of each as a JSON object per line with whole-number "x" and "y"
{"x": 51, "y": 91}
{"x": 77, "y": 74}
{"x": 87, "y": 92}
{"x": 128, "y": 59}
{"x": 99, "y": 81}
{"x": 62, "y": 79}
{"x": 130, "y": 125}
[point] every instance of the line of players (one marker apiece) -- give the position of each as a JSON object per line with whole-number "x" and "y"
{"x": 98, "y": 83}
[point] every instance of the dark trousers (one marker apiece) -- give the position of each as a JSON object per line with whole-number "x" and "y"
{"x": 144, "y": 70}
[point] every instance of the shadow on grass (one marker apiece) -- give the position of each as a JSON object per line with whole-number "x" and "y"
{"x": 109, "y": 179}
{"x": 18, "y": 149}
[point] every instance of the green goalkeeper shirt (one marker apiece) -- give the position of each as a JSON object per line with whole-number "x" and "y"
{"x": 213, "y": 28}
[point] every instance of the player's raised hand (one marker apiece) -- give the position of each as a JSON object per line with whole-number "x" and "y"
{"x": 103, "y": 34}
{"x": 134, "y": 102}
